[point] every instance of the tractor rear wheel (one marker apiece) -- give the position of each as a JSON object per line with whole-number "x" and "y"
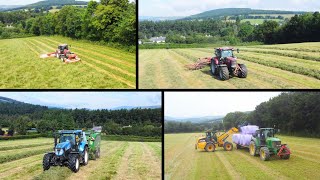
{"x": 46, "y": 161}
{"x": 264, "y": 154}
{"x": 73, "y": 162}
{"x": 85, "y": 158}
{"x": 224, "y": 73}
{"x": 252, "y": 148}
{"x": 244, "y": 72}
{"x": 228, "y": 146}
{"x": 213, "y": 68}
{"x": 210, "y": 147}
{"x": 98, "y": 153}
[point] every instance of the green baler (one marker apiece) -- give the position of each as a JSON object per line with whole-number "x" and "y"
{"x": 94, "y": 139}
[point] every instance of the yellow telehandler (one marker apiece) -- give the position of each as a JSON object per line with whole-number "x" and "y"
{"x": 212, "y": 140}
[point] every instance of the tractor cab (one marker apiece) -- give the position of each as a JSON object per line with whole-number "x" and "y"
{"x": 225, "y": 52}
{"x": 62, "y": 47}
{"x": 69, "y": 140}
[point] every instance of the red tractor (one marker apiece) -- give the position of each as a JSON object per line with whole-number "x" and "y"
{"x": 63, "y": 53}
{"x": 225, "y": 64}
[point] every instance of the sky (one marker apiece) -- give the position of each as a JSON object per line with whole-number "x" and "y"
{"x": 200, "y": 104}
{"x": 89, "y": 100}
{"x": 167, "y": 8}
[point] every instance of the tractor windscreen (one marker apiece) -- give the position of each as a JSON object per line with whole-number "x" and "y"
{"x": 67, "y": 138}
{"x": 227, "y": 53}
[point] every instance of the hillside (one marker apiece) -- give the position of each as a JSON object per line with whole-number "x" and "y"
{"x": 48, "y": 4}
{"x": 218, "y": 13}
{"x": 204, "y": 119}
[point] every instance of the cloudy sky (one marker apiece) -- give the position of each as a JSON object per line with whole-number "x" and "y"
{"x": 199, "y": 104}
{"x": 165, "y": 8}
{"x": 89, "y": 100}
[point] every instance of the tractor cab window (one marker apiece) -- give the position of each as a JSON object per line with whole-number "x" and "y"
{"x": 226, "y": 53}
{"x": 67, "y": 138}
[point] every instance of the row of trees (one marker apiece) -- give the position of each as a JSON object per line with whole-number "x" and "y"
{"x": 300, "y": 28}
{"x": 295, "y": 113}
{"x": 109, "y": 21}
{"x": 186, "y": 127}
{"x": 21, "y": 117}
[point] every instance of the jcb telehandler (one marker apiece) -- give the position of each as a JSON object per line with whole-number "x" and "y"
{"x": 212, "y": 140}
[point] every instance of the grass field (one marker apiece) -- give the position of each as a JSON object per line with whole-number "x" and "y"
{"x": 101, "y": 66}
{"x": 291, "y": 66}
{"x": 182, "y": 161}
{"x": 119, "y": 160}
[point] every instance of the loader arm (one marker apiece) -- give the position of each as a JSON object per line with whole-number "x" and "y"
{"x": 225, "y": 135}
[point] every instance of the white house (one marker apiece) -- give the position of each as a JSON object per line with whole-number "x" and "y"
{"x": 139, "y": 41}
{"x": 158, "y": 39}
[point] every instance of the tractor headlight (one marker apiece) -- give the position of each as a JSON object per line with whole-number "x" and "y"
{"x": 59, "y": 152}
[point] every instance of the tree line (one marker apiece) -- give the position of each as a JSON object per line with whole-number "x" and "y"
{"x": 112, "y": 21}
{"x": 20, "y": 117}
{"x": 294, "y": 113}
{"x": 300, "y": 28}
{"x": 188, "y": 127}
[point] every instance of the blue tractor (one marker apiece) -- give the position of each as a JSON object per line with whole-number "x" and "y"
{"x": 70, "y": 149}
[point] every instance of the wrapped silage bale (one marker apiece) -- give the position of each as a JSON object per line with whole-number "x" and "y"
{"x": 236, "y": 138}
{"x": 250, "y": 129}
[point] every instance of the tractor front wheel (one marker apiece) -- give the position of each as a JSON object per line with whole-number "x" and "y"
{"x": 74, "y": 163}
{"x": 224, "y": 73}
{"x": 252, "y": 148}
{"x": 228, "y": 146}
{"x": 213, "y": 68}
{"x": 264, "y": 154}
{"x": 210, "y": 147}
{"x": 46, "y": 161}
{"x": 244, "y": 71}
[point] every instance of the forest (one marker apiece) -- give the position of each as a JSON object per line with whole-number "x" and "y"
{"x": 300, "y": 28}
{"x": 110, "y": 21}
{"x": 294, "y": 113}
{"x": 20, "y": 117}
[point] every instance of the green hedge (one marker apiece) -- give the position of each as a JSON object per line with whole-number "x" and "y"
{"x": 21, "y": 137}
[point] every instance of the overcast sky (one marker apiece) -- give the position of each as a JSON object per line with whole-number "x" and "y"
{"x": 89, "y": 100}
{"x": 199, "y": 104}
{"x": 165, "y": 8}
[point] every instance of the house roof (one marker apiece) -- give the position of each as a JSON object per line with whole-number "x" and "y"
{"x": 158, "y": 38}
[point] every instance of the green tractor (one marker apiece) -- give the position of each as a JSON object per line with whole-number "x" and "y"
{"x": 94, "y": 138}
{"x": 264, "y": 143}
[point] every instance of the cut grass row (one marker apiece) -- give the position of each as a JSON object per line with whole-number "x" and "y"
{"x": 18, "y": 142}
{"x": 182, "y": 160}
{"x": 5, "y": 148}
{"x": 112, "y": 71}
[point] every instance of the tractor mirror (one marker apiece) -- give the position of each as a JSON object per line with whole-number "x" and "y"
{"x": 238, "y": 51}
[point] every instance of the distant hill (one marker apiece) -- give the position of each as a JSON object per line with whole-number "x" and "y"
{"x": 49, "y": 3}
{"x": 218, "y": 13}
{"x": 204, "y": 119}
{"x": 152, "y": 18}
{"x": 8, "y": 100}
{"x": 6, "y": 7}
{"x": 135, "y": 107}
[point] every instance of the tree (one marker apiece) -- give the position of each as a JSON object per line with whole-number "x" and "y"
{"x": 21, "y": 125}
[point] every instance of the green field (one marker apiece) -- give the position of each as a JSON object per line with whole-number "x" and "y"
{"x": 101, "y": 66}
{"x": 182, "y": 161}
{"x": 290, "y": 66}
{"x": 119, "y": 160}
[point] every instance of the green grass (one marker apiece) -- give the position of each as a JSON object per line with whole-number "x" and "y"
{"x": 289, "y": 66}
{"x": 130, "y": 138}
{"x": 121, "y": 159}
{"x": 101, "y": 66}
{"x": 182, "y": 160}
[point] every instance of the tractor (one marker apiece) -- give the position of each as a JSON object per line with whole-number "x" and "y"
{"x": 264, "y": 143}
{"x": 70, "y": 149}
{"x": 225, "y": 64}
{"x": 65, "y": 54}
{"x": 94, "y": 138}
{"x": 212, "y": 140}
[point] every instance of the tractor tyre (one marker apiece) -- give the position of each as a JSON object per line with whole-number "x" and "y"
{"x": 46, "y": 161}
{"x": 238, "y": 146}
{"x": 210, "y": 147}
{"x": 213, "y": 68}
{"x": 264, "y": 154}
{"x": 252, "y": 148}
{"x": 85, "y": 158}
{"x": 244, "y": 72}
{"x": 73, "y": 162}
{"x": 98, "y": 153}
{"x": 228, "y": 146}
{"x": 224, "y": 73}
